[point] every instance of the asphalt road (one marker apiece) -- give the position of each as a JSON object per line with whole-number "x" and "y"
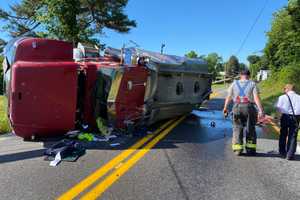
{"x": 194, "y": 161}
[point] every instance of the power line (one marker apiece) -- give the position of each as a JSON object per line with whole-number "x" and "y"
{"x": 252, "y": 27}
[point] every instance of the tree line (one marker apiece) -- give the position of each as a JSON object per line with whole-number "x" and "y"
{"x": 70, "y": 20}
{"x": 282, "y": 49}
{"x": 280, "y": 54}
{"x": 85, "y": 20}
{"x": 216, "y": 64}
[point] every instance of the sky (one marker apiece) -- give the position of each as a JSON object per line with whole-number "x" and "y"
{"x": 203, "y": 26}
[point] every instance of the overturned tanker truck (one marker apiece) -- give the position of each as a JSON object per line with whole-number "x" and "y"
{"x": 49, "y": 93}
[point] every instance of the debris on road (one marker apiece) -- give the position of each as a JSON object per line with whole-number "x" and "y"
{"x": 64, "y": 150}
{"x": 72, "y": 134}
{"x": 89, "y": 137}
{"x": 111, "y": 137}
{"x": 56, "y": 160}
{"x": 85, "y": 126}
{"x": 114, "y": 144}
{"x": 100, "y": 139}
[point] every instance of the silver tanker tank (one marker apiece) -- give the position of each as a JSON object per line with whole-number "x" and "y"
{"x": 175, "y": 85}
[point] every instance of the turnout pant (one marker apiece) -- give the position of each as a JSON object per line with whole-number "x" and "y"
{"x": 288, "y": 135}
{"x": 244, "y": 120}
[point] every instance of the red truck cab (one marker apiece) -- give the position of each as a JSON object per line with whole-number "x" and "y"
{"x": 40, "y": 86}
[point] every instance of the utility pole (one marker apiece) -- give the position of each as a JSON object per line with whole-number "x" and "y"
{"x": 162, "y": 48}
{"x": 225, "y": 72}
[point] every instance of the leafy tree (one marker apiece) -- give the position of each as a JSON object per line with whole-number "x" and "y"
{"x": 253, "y": 59}
{"x": 214, "y": 63}
{"x": 243, "y": 66}
{"x": 2, "y": 44}
{"x": 1, "y": 75}
{"x": 232, "y": 66}
{"x": 257, "y": 63}
{"x": 283, "y": 45}
{"x": 213, "y": 60}
{"x": 202, "y": 57}
{"x": 70, "y": 20}
{"x": 220, "y": 67}
{"x": 191, "y": 54}
{"x": 254, "y": 69}
{"x": 293, "y": 10}
{"x": 264, "y": 63}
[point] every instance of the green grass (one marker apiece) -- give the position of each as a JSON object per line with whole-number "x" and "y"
{"x": 273, "y": 131}
{"x": 4, "y": 125}
{"x": 269, "y": 92}
{"x": 218, "y": 86}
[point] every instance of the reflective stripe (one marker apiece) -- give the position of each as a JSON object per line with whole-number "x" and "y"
{"x": 251, "y": 146}
{"x": 237, "y": 147}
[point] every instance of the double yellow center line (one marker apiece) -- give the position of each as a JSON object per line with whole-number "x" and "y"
{"x": 115, "y": 168}
{"x": 214, "y": 95}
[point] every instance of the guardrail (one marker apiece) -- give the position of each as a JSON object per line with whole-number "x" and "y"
{"x": 223, "y": 80}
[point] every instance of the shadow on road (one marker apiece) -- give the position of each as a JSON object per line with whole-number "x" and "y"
{"x": 203, "y": 126}
{"x": 192, "y": 130}
{"x": 21, "y": 156}
{"x": 272, "y": 155}
{"x": 124, "y": 141}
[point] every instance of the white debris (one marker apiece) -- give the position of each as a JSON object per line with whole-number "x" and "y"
{"x": 111, "y": 136}
{"x": 114, "y": 144}
{"x": 85, "y": 126}
{"x": 72, "y": 133}
{"x": 96, "y": 139}
{"x": 56, "y": 160}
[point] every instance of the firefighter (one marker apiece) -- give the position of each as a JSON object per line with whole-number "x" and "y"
{"x": 245, "y": 96}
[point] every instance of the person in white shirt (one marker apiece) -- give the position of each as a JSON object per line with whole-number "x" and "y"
{"x": 289, "y": 107}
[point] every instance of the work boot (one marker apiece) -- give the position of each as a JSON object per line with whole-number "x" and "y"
{"x": 251, "y": 152}
{"x": 237, "y": 152}
{"x": 290, "y": 157}
{"x": 282, "y": 155}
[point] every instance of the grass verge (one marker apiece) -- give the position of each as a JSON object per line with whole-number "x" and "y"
{"x": 218, "y": 86}
{"x": 269, "y": 93}
{"x": 4, "y": 125}
{"x": 271, "y": 129}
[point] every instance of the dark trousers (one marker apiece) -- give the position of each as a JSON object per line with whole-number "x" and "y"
{"x": 288, "y": 135}
{"x": 244, "y": 120}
